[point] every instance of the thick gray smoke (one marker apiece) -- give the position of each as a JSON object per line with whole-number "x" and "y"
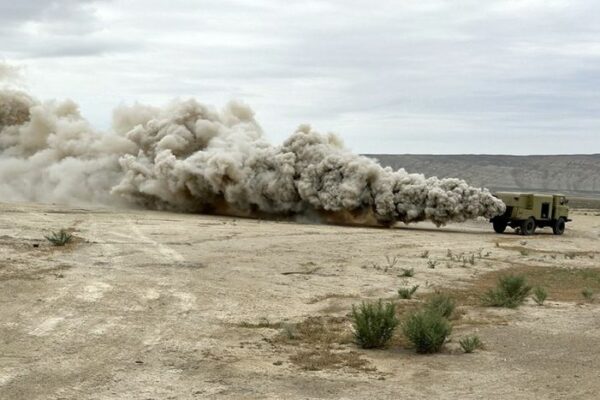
{"x": 191, "y": 157}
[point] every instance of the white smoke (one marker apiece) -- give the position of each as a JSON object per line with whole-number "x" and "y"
{"x": 191, "y": 157}
{"x": 9, "y": 73}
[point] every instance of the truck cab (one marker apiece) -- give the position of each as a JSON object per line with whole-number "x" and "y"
{"x": 527, "y": 211}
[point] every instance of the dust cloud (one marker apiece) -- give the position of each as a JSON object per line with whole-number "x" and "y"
{"x": 194, "y": 158}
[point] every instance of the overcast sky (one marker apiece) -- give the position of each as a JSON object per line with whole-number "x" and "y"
{"x": 519, "y": 77}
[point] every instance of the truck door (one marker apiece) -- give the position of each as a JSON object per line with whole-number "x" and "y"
{"x": 557, "y": 203}
{"x": 545, "y": 210}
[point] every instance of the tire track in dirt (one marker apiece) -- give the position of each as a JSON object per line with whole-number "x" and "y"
{"x": 164, "y": 251}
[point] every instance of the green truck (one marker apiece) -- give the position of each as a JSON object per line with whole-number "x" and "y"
{"x": 527, "y": 211}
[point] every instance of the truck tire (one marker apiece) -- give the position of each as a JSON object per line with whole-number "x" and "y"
{"x": 559, "y": 226}
{"x": 528, "y": 226}
{"x": 500, "y": 225}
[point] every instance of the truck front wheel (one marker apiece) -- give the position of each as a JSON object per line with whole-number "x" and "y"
{"x": 559, "y": 226}
{"x": 528, "y": 226}
{"x": 499, "y": 225}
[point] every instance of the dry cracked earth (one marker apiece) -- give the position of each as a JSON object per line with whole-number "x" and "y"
{"x": 157, "y": 305}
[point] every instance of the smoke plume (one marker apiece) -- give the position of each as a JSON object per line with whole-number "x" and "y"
{"x": 194, "y": 158}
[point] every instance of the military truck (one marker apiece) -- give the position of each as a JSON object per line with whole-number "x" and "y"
{"x": 527, "y": 211}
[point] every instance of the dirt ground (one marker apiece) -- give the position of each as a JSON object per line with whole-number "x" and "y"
{"x": 157, "y": 305}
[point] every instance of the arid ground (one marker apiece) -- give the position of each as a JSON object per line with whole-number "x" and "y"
{"x": 157, "y": 305}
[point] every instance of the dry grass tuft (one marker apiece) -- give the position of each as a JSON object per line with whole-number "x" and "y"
{"x": 320, "y": 343}
{"x": 318, "y": 299}
{"x": 317, "y": 331}
{"x": 262, "y": 324}
{"x": 320, "y": 359}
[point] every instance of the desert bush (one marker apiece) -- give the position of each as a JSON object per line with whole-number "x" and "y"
{"x": 425, "y": 254}
{"x": 587, "y": 293}
{"x": 539, "y": 295}
{"x": 407, "y": 293}
{"x": 431, "y": 264}
{"x": 510, "y": 292}
{"x": 407, "y": 272}
{"x": 374, "y": 324}
{"x": 470, "y": 343}
{"x": 442, "y": 304}
{"x": 427, "y": 330}
{"x": 59, "y": 238}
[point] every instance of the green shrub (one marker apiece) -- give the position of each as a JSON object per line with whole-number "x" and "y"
{"x": 511, "y": 291}
{"x": 587, "y": 293}
{"x": 442, "y": 304}
{"x": 539, "y": 295}
{"x": 59, "y": 238}
{"x": 374, "y": 324}
{"x": 470, "y": 343}
{"x": 407, "y": 293}
{"x": 427, "y": 330}
{"x": 407, "y": 272}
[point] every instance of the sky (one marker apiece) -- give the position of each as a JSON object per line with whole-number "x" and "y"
{"x": 423, "y": 76}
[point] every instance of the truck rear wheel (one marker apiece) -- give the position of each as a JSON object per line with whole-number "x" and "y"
{"x": 499, "y": 225}
{"x": 528, "y": 226}
{"x": 559, "y": 226}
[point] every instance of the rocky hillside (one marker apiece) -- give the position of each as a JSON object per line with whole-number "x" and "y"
{"x": 572, "y": 174}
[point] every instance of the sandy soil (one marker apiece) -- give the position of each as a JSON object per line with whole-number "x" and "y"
{"x": 156, "y": 305}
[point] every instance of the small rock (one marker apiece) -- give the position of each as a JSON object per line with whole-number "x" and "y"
{"x": 278, "y": 363}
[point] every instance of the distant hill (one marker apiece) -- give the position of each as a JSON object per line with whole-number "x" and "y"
{"x": 577, "y": 175}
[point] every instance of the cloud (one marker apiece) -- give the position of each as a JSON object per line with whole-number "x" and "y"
{"x": 56, "y": 15}
{"x": 58, "y": 28}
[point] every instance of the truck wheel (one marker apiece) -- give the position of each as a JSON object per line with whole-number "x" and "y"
{"x": 559, "y": 226}
{"x": 499, "y": 225}
{"x": 528, "y": 226}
